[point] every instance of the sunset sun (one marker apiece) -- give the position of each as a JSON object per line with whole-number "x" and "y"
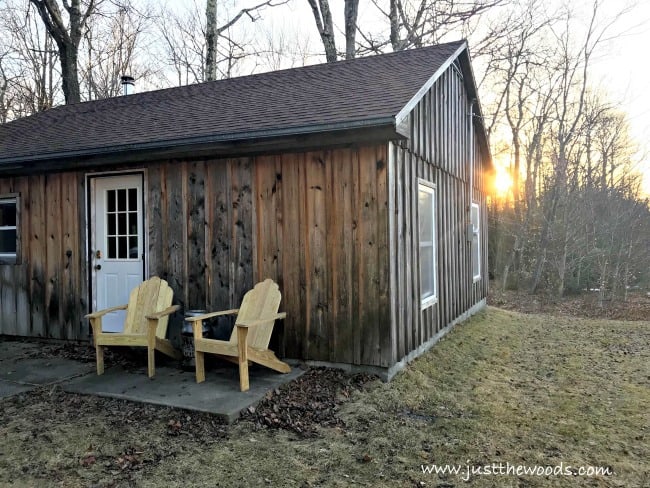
{"x": 502, "y": 182}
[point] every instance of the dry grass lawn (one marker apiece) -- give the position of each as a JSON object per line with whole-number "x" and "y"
{"x": 530, "y": 390}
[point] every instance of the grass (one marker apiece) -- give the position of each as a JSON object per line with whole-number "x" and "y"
{"x": 502, "y": 388}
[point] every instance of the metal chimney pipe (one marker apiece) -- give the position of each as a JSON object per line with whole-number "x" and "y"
{"x": 128, "y": 84}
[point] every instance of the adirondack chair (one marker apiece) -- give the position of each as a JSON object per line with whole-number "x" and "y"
{"x": 147, "y": 314}
{"x": 250, "y": 338}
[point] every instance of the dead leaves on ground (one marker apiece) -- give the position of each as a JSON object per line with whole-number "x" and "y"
{"x": 308, "y": 402}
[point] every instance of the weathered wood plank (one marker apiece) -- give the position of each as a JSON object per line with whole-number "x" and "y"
{"x": 21, "y": 273}
{"x": 53, "y": 257}
{"x": 37, "y": 258}
{"x": 341, "y": 249}
{"x": 219, "y": 238}
{"x": 400, "y": 191}
{"x": 268, "y": 211}
{"x": 267, "y": 202}
{"x": 157, "y": 220}
{"x": 241, "y": 249}
{"x": 70, "y": 312}
{"x": 369, "y": 281}
{"x": 196, "y": 236}
{"x": 292, "y": 240}
{"x": 174, "y": 250}
{"x": 383, "y": 256}
{"x": 316, "y": 253}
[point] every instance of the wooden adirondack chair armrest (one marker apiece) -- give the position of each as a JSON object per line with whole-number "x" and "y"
{"x": 253, "y": 323}
{"x": 167, "y": 311}
{"x": 211, "y": 314}
{"x": 101, "y": 313}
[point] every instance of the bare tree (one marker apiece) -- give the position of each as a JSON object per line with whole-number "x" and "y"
{"x": 326, "y": 29}
{"x": 67, "y": 38}
{"x": 29, "y": 60}
{"x": 417, "y": 23}
{"x": 114, "y": 44}
{"x": 572, "y": 72}
{"x": 190, "y": 39}
{"x": 213, "y": 31}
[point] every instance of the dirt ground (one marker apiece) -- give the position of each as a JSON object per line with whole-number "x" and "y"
{"x": 521, "y": 390}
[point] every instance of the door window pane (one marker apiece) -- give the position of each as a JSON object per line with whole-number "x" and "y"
{"x": 121, "y": 200}
{"x": 122, "y": 224}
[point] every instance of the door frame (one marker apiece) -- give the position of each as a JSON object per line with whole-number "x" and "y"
{"x": 90, "y": 179}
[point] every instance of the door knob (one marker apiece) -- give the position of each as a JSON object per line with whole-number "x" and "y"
{"x": 98, "y": 267}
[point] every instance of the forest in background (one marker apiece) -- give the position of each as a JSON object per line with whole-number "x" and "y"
{"x": 567, "y": 213}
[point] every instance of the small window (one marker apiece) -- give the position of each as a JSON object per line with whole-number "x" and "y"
{"x": 9, "y": 230}
{"x": 476, "y": 241}
{"x": 427, "y": 237}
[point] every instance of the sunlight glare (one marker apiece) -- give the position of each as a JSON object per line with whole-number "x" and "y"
{"x": 502, "y": 182}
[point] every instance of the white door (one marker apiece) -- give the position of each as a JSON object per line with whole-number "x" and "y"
{"x": 117, "y": 243}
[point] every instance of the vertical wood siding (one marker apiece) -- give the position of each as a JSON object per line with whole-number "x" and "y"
{"x": 438, "y": 151}
{"x": 42, "y": 295}
{"x": 201, "y": 230}
{"x": 322, "y": 233}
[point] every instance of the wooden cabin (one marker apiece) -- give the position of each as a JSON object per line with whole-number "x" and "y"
{"x": 359, "y": 186}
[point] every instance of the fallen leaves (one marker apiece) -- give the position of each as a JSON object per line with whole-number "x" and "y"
{"x": 308, "y": 402}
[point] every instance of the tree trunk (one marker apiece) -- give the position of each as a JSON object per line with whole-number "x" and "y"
{"x": 351, "y": 12}
{"x": 562, "y": 267}
{"x": 211, "y": 40}
{"x": 325, "y": 25}
{"x": 69, "y": 74}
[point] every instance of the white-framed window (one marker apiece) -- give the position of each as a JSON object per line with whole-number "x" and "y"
{"x": 427, "y": 238}
{"x": 9, "y": 247}
{"x": 476, "y": 241}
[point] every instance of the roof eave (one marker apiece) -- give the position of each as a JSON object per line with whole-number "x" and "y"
{"x": 226, "y": 145}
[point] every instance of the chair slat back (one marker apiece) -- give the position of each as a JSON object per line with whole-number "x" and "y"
{"x": 153, "y": 295}
{"x": 260, "y": 302}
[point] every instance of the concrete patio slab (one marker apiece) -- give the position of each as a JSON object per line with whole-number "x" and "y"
{"x": 42, "y": 371}
{"x": 172, "y": 387}
{"x": 19, "y": 374}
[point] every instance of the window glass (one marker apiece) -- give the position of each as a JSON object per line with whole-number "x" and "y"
{"x": 427, "y": 237}
{"x": 476, "y": 242}
{"x": 8, "y": 229}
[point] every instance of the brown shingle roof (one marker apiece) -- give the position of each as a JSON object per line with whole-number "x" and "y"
{"x": 313, "y": 98}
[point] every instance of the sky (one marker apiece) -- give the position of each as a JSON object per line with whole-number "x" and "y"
{"x": 624, "y": 72}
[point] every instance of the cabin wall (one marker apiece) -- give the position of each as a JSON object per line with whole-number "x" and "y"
{"x": 44, "y": 294}
{"x": 200, "y": 230}
{"x": 316, "y": 222}
{"x": 437, "y": 151}
{"x": 322, "y": 233}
